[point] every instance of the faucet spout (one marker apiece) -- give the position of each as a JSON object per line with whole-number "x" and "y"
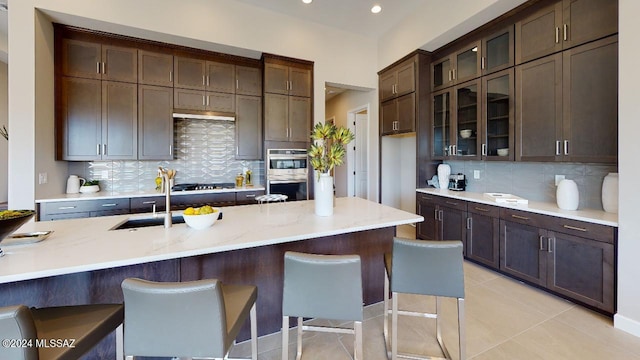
{"x": 167, "y": 192}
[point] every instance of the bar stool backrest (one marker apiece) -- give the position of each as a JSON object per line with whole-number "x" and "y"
{"x": 427, "y": 267}
{"x": 183, "y": 319}
{"x": 16, "y": 323}
{"x": 322, "y": 286}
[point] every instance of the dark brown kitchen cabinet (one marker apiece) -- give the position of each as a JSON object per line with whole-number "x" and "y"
{"x": 287, "y": 118}
{"x": 59, "y": 210}
{"x": 248, "y": 197}
{"x": 563, "y": 25}
{"x": 97, "y": 120}
{"x": 248, "y": 81}
{"x": 497, "y": 51}
{"x": 445, "y": 218}
{"x": 457, "y": 67}
{"x": 287, "y": 80}
{"x": 398, "y": 81}
{"x": 456, "y": 120}
{"x": 187, "y": 99}
{"x": 567, "y": 105}
{"x": 155, "y": 123}
{"x": 221, "y": 77}
{"x": 92, "y": 60}
{"x": 147, "y": 204}
{"x": 248, "y": 127}
{"x": 498, "y": 116}
{"x": 198, "y": 74}
{"x": 569, "y": 257}
{"x": 483, "y": 234}
{"x": 155, "y": 68}
{"x": 399, "y": 115}
{"x": 197, "y": 200}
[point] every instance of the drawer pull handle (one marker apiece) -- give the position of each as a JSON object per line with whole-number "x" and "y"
{"x": 66, "y": 207}
{"x": 520, "y": 217}
{"x": 250, "y": 195}
{"x": 148, "y": 202}
{"x": 480, "y": 209}
{"x": 574, "y": 228}
{"x": 109, "y": 205}
{"x": 452, "y": 203}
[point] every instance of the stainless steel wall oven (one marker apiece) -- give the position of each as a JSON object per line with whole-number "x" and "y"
{"x": 287, "y": 173}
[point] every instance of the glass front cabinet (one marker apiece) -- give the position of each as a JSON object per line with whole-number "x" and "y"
{"x": 498, "y": 116}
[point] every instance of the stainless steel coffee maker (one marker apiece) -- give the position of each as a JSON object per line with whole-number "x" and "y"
{"x": 457, "y": 182}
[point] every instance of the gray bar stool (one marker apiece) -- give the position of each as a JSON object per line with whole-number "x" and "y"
{"x": 57, "y": 333}
{"x": 424, "y": 268}
{"x": 186, "y": 319}
{"x": 325, "y": 287}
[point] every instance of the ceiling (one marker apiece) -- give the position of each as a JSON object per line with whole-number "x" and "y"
{"x": 349, "y": 15}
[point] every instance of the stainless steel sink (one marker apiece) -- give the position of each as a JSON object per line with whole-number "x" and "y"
{"x": 134, "y": 223}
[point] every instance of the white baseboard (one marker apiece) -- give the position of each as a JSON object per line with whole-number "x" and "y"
{"x": 625, "y": 324}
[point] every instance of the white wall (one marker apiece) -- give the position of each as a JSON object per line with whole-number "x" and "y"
{"x": 398, "y": 172}
{"x": 628, "y": 316}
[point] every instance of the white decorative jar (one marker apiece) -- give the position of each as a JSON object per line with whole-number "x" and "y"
{"x": 444, "y": 170}
{"x": 324, "y": 195}
{"x": 610, "y": 193}
{"x": 567, "y": 195}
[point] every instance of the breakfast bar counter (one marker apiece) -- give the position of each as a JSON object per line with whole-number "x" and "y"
{"x": 84, "y": 261}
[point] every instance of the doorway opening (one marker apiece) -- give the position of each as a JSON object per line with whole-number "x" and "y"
{"x": 357, "y": 153}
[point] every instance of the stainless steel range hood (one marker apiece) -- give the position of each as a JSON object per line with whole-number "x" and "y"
{"x": 204, "y": 116}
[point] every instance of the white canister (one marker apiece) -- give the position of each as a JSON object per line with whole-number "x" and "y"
{"x": 610, "y": 193}
{"x": 444, "y": 170}
{"x": 74, "y": 183}
{"x": 567, "y": 195}
{"x": 323, "y": 195}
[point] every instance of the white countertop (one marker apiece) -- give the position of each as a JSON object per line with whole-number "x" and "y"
{"x": 545, "y": 208}
{"x": 80, "y": 245}
{"x": 120, "y": 195}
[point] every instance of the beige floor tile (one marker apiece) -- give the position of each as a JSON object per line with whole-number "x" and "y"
{"x": 528, "y": 295}
{"x": 556, "y": 340}
{"x": 478, "y": 274}
{"x": 599, "y": 327}
{"x": 406, "y": 231}
{"x": 509, "y": 350}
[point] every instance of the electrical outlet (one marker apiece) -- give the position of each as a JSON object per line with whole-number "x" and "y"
{"x": 559, "y": 178}
{"x": 42, "y": 178}
{"x": 476, "y": 174}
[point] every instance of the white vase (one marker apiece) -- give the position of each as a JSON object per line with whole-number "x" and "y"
{"x": 444, "y": 170}
{"x": 324, "y": 195}
{"x": 567, "y": 195}
{"x": 610, "y": 193}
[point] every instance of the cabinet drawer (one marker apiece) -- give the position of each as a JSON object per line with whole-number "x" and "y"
{"x": 247, "y": 197}
{"x": 482, "y": 209}
{"x": 524, "y": 217}
{"x": 582, "y": 229}
{"x": 145, "y": 204}
{"x": 197, "y": 200}
{"x": 452, "y": 203}
{"x": 66, "y": 207}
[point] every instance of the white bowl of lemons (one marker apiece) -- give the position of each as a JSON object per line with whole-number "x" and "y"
{"x": 202, "y": 217}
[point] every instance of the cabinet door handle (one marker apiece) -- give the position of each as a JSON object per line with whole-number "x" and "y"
{"x": 482, "y": 62}
{"x": 541, "y": 243}
{"x": 203, "y": 100}
{"x": 435, "y": 214}
{"x": 440, "y": 215}
{"x": 565, "y": 32}
{"x": 484, "y": 149}
{"x": 98, "y": 67}
{"x": 519, "y": 217}
{"x": 558, "y": 148}
{"x": 109, "y": 205}
{"x": 104, "y": 149}
{"x": 104, "y": 68}
{"x": 481, "y": 209}
{"x": 469, "y": 223}
{"x": 170, "y": 76}
{"x": 557, "y": 34}
{"x": 203, "y": 80}
{"x": 566, "y": 147}
{"x": 574, "y": 228}
{"x": 66, "y": 207}
{"x": 170, "y": 149}
{"x": 97, "y": 149}
{"x": 450, "y": 75}
{"x": 453, "y": 72}
{"x": 550, "y": 241}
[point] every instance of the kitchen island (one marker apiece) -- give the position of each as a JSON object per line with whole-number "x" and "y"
{"x": 83, "y": 261}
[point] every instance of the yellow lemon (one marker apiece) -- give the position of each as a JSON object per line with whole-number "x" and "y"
{"x": 189, "y": 211}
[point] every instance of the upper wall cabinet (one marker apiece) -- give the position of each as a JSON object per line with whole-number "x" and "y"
{"x": 155, "y": 68}
{"x": 398, "y": 81}
{"x": 497, "y": 51}
{"x": 458, "y": 67}
{"x": 287, "y": 80}
{"x": 248, "y": 81}
{"x": 563, "y": 25}
{"x": 91, "y": 60}
{"x": 200, "y": 74}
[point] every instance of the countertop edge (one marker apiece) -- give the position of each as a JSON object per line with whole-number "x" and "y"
{"x": 586, "y": 215}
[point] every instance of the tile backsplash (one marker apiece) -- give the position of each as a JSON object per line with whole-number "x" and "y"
{"x": 204, "y": 152}
{"x": 535, "y": 181}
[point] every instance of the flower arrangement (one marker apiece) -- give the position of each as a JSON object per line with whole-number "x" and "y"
{"x": 328, "y": 148}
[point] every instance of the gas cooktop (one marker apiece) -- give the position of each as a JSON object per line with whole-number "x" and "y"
{"x": 195, "y": 186}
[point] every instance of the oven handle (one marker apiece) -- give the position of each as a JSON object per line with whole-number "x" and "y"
{"x": 286, "y": 157}
{"x": 286, "y": 181}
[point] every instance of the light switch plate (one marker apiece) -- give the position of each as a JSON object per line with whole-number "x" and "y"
{"x": 559, "y": 178}
{"x": 476, "y": 174}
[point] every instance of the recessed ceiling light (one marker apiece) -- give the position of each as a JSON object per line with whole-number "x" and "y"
{"x": 307, "y": 1}
{"x": 376, "y": 9}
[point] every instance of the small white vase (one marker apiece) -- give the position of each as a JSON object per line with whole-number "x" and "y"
{"x": 610, "y": 193}
{"x": 324, "y": 195}
{"x": 567, "y": 195}
{"x": 444, "y": 170}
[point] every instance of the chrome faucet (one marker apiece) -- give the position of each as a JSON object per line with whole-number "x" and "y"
{"x": 167, "y": 191}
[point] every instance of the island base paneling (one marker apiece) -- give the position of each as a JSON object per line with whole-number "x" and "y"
{"x": 263, "y": 266}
